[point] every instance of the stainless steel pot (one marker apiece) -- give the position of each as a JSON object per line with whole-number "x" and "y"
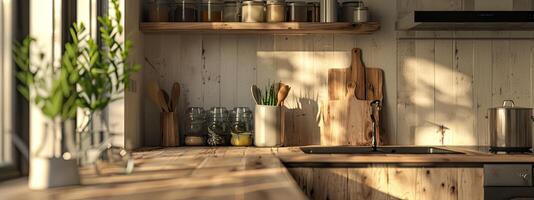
{"x": 510, "y": 127}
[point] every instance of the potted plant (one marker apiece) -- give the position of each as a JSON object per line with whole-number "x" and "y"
{"x": 88, "y": 78}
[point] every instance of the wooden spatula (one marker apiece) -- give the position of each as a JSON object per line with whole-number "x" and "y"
{"x": 175, "y": 96}
{"x": 154, "y": 94}
{"x": 165, "y": 100}
{"x": 283, "y": 91}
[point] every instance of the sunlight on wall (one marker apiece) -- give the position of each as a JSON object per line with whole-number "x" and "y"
{"x": 443, "y": 103}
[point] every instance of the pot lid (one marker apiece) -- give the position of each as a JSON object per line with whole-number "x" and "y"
{"x": 509, "y": 104}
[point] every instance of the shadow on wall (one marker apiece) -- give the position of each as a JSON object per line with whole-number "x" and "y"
{"x": 441, "y": 99}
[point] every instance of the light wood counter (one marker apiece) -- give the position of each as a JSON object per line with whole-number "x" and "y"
{"x": 293, "y": 155}
{"x": 180, "y": 173}
{"x": 258, "y": 173}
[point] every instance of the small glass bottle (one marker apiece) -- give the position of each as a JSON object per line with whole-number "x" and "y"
{"x": 218, "y": 127}
{"x": 158, "y": 10}
{"x": 195, "y": 134}
{"x": 211, "y": 11}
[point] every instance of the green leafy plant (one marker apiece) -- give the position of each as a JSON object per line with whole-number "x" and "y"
{"x": 269, "y": 95}
{"x": 90, "y": 76}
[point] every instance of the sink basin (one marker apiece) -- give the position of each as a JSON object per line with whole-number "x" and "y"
{"x": 381, "y": 150}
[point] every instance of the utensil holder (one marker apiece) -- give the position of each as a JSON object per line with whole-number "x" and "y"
{"x": 267, "y": 126}
{"x": 169, "y": 129}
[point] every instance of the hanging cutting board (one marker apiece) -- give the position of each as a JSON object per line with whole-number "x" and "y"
{"x": 348, "y": 117}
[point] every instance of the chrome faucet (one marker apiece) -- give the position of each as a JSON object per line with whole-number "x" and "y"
{"x": 375, "y": 106}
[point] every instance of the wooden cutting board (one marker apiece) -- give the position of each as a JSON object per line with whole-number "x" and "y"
{"x": 348, "y": 114}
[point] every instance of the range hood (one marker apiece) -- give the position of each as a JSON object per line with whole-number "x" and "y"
{"x": 467, "y": 20}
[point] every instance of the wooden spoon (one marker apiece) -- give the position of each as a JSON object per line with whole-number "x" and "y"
{"x": 282, "y": 94}
{"x": 154, "y": 94}
{"x": 164, "y": 100}
{"x": 255, "y": 93}
{"x": 175, "y": 96}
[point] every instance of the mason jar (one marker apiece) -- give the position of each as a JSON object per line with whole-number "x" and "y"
{"x": 186, "y": 11}
{"x": 218, "y": 127}
{"x": 211, "y": 11}
{"x": 241, "y": 120}
{"x": 231, "y": 11}
{"x": 195, "y": 128}
{"x": 158, "y": 10}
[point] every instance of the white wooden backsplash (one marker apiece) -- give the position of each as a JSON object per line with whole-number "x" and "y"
{"x": 431, "y": 79}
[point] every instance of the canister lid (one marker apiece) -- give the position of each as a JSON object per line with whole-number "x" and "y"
{"x": 296, "y": 3}
{"x": 253, "y": 2}
{"x": 277, "y": 2}
{"x": 509, "y": 104}
{"x": 353, "y": 3}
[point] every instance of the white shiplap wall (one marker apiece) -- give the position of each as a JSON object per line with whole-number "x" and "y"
{"x": 429, "y": 82}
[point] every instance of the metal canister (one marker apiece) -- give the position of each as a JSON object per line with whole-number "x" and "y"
{"x": 328, "y": 10}
{"x": 360, "y": 14}
{"x": 253, "y": 11}
{"x": 313, "y": 12}
{"x": 510, "y": 127}
{"x": 276, "y": 11}
{"x": 296, "y": 11}
{"x": 348, "y": 8}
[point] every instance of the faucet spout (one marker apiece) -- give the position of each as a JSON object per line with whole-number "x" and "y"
{"x": 375, "y": 106}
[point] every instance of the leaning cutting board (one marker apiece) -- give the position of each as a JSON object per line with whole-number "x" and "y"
{"x": 348, "y": 114}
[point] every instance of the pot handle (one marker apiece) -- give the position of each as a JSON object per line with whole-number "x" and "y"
{"x": 508, "y": 103}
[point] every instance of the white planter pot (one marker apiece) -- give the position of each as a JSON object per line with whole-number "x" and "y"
{"x": 52, "y": 172}
{"x": 267, "y": 126}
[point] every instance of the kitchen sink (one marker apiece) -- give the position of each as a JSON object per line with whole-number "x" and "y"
{"x": 380, "y": 150}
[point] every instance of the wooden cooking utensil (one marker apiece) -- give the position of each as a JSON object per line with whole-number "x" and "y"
{"x": 165, "y": 100}
{"x": 175, "y": 96}
{"x": 282, "y": 94}
{"x": 154, "y": 94}
{"x": 255, "y": 93}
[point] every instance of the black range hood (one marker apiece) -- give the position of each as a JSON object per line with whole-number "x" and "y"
{"x": 467, "y": 20}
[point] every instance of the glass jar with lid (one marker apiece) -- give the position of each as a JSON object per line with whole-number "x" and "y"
{"x": 186, "y": 11}
{"x": 241, "y": 126}
{"x": 348, "y": 9}
{"x": 195, "y": 130}
{"x": 218, "y": 127}
{"x": 276, "y": 11}
{"x": 231, "y": 11}
{"x": 253, "y": 11}
{"x": 297, "y": 11}
{"x": 211, "y": 11}
{"x": 158, "y": 10}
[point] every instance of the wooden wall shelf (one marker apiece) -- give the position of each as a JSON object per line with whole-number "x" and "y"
{"x": 268, "y": 28}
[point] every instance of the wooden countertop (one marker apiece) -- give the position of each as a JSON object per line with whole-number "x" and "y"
{"x": 180, "y": 173}
{"x": 225, "y": 173}
{"x": 294, "y": 156}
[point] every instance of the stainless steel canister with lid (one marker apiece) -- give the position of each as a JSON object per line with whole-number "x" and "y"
{"x": 253, "y": 11}
{"x": 296, "y": 11}
{"x": 348, "y": 8}
{"x": 276, "y": 11}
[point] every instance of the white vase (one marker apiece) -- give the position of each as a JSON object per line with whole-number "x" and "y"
{"x": 52, "y": 172}
{"x": 53, "y": 158}
{"x": 267, "y": 126}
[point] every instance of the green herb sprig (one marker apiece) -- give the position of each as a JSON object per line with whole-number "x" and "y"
{"x": 269, "y": 94}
